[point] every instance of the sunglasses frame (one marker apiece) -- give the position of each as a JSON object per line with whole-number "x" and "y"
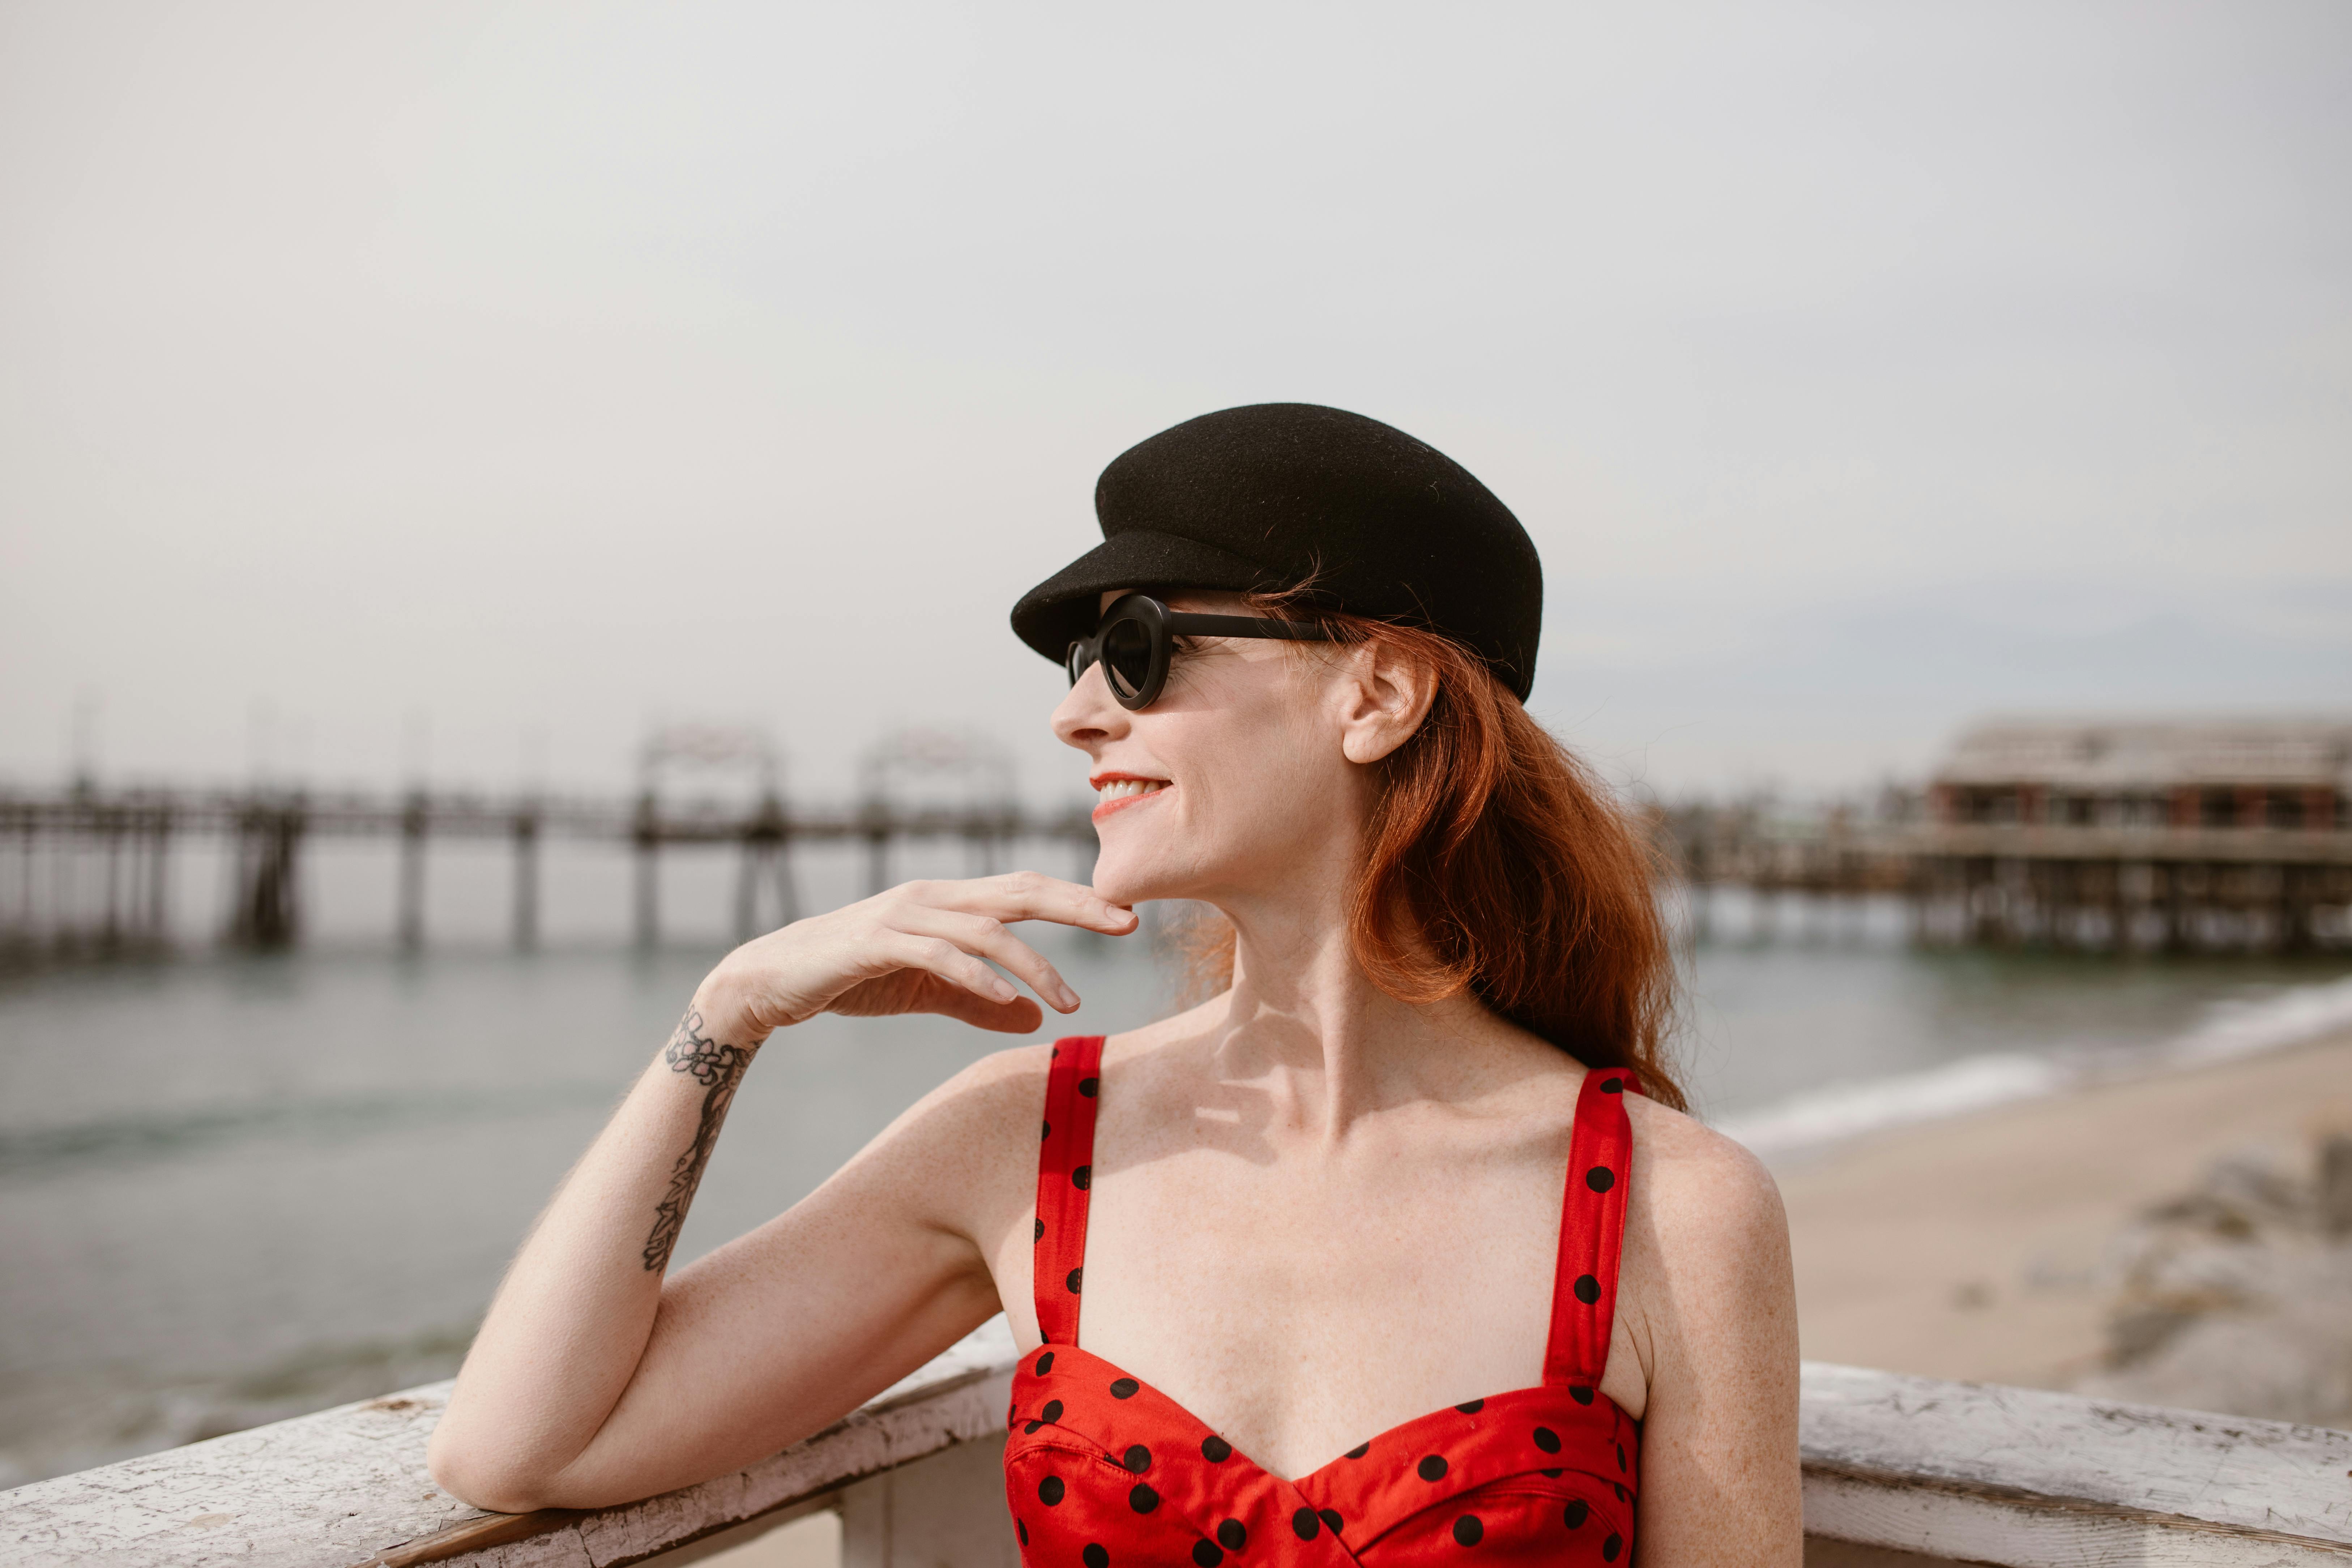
{"x": 1163, "y": 626}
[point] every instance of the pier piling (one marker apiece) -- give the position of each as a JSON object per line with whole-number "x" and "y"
{"x": 526, "y": 879}
{"x": 416, "y": 816}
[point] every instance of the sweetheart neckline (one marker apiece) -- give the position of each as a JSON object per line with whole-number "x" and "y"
{"x": 1028, "y": 1369}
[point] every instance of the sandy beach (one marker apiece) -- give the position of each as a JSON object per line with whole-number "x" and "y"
{"x": 1969, "y": 1249}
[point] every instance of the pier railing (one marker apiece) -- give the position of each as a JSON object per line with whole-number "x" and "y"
{"x": 1897, "y": 1470}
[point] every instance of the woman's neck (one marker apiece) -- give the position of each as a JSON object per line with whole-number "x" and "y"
{"x": 1306, "y": 1022}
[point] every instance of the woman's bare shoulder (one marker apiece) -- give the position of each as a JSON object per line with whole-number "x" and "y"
{"x": 1706, "y": 1195}
{"x": 995, "y": 1103}
{"x": 992, "y": 1098}
{"x": 963, "y": 1152}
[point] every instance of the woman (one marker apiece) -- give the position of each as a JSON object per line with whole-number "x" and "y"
{"x": 1336, "y": 1305}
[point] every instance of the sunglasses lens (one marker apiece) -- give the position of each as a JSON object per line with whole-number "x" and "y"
{"x": 1127, "y": 656}
{"x": 1074, "y": 661}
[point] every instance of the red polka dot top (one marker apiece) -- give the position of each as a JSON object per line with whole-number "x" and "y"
{"x": 1101, "y": 1468}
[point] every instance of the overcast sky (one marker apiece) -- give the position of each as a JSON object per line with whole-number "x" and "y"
{"x": 468, "y": 387}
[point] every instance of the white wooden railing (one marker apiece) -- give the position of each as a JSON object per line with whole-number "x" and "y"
{"x": 1897, "y": 1470}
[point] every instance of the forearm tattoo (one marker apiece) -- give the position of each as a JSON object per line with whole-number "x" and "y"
{"x": 717, "y": 1069}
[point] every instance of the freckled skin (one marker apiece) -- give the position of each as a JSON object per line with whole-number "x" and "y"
{"x": 1316, "y": 1211}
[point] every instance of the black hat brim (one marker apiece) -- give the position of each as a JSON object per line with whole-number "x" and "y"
{"x": 1067, "y": 605}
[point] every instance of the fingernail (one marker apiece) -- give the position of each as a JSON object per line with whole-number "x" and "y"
{"x": 1069, "y": 1000}
{"x": 1004, "y": 992}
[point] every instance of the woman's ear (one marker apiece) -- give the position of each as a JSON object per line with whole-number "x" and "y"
{"x": 1384, "y": 695}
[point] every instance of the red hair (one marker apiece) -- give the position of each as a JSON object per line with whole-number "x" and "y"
{"x": 1498, "y": 864}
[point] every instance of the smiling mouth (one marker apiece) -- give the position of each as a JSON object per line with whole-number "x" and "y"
{"x": 1121, "y": 792}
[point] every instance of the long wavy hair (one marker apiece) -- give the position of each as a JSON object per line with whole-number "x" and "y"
{"x": 1496, "y": 864}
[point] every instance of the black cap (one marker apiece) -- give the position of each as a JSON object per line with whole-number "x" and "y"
{"x": 1265, "y": 498}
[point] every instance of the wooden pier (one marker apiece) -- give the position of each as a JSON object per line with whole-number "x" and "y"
{"x": 2251, "y": 890}
{"x": 2149, "y": 837}
{"x": 86, "y": 871}
{"x": 2139, "y": 836}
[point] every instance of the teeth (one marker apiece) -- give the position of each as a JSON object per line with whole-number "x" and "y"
{"x": 1120, "y": 789}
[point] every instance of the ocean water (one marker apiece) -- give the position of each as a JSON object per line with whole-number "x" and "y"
{"x": 234, "y": 1188}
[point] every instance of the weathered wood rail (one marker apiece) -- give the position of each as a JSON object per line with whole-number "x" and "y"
{"x": 1896, "y": 1470}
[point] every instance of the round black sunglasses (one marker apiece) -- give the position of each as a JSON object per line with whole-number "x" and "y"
{"x": 1138, "y": 633}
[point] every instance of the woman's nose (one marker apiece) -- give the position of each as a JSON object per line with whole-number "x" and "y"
{"x": 1088, "y": 716}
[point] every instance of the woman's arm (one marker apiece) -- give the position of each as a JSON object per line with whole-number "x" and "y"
{"x": 594, "y": 1380}
{"x": 1720, "y": 1486}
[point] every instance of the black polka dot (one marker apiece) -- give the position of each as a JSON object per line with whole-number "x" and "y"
{"x": 1555, "y": 1474}
{"x": 1601, "y": 1178}
{"x": 1580, "y": 1393}
{"x": 1613, "y": 1085}
{"x": 1052, "y": 1411}
{"x": 1087, "y": 1086}
{"x": 1206, "y": 1554}
{"x": 1547, "y": 1439}
{"x": 1231, "y": 1536}
{"x": 1024, "y": 1531}
{"x": 1123, "y": 1387}
{"x": 1431, "y": 1469}
{"x": 1138, "y": 1458}
{"x": 1044, "y": 1363}
{"x": 1472, "y": 1408}
{"x": 1083, "y": 1177}
{"x": 1469, "y": 1529}
{"x": 1045, "y": 1131}
{"x": 1039, "y": 1233}
{"x": 1621, "y": 1456}
{"x": 1610, "y": 1547}
{"x": 1623, "y": 1495}
{"x": 1587, "y": 1288}
{"x": 1077, "y": 1278}
{"x": 1032, "y": 1428}
{"x": 1331, "y": 1518}
{"x": 1577, "y": 1514}
{"x": 1360, "y": 1450}
{"x": 1142, "y": 1500}
{"x": 1305, "y": 1525}
{"x": 1094, "y": 1556}
{"x": 1215, "y": 1449}
{"x": 1050, "y": 1489}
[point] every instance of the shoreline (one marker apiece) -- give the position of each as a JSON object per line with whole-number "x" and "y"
{"x": 1817, "y": 1123}
{"x": 1975, "y": 1246}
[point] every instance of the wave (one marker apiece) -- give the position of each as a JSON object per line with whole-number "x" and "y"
{"x": 2249, "y": 1028}
{"x": 1850, "y": 1108}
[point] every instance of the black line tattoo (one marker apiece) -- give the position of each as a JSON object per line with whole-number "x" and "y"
{"x": 717, "y": 1069}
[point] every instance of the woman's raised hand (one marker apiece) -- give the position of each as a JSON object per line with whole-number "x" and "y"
{"x": 917, "y": 948}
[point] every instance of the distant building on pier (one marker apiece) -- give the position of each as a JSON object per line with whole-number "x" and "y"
{"x": 2219, "y": 833}
{"x": 2111, "y": 773}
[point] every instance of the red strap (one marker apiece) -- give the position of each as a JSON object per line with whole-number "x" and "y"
{"x": 1065, "y": 1172}
{"x": 1592, "y": 1233}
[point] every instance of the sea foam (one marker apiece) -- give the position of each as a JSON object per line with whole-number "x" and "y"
{"x": 1849, "y": 1108}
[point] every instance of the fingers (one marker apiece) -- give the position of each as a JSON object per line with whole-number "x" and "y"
{"x": 986, "y": 936}
{"x": 1024, "y": 896}
{"x": 936, "y": 956}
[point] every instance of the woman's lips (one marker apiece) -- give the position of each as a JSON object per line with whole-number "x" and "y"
{"x": 1120, "y": 791}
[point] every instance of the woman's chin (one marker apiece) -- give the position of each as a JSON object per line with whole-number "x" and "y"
{"x": 1120, "y": 882}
